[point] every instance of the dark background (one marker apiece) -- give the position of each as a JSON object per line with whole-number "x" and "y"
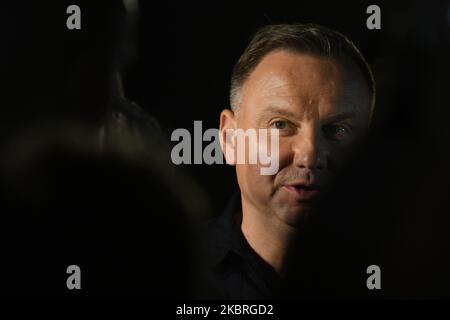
{"x": 391, "y": 203}
{"x": 390, "y": 206}
{"x": 185, "y": 54}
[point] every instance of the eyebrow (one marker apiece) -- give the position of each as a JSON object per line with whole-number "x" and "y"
{"x": 275, "y": 110}
{"x": 289, "y": 114}
{"x": 340, "y": 117}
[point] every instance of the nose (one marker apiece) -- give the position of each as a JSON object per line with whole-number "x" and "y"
{"x": 309, "y": 151}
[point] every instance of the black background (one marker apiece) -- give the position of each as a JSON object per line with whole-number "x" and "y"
{"x": 391, "y": 203}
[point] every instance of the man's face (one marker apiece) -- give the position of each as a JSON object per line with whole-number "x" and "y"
{"x": 320, "y": 109}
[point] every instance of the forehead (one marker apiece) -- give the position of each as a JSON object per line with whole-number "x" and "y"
{"x": 307, "y": 83}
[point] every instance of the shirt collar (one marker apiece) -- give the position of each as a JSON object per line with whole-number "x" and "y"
{"x": 231, "y": 243}
{"x": 226, "y": 231}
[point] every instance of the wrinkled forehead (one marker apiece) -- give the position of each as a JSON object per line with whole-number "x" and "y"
{"x": 307, "y": 83}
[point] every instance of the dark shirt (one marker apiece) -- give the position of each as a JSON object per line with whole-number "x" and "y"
{"x": 324, "y": 265}
{"x": 233, "y": 269}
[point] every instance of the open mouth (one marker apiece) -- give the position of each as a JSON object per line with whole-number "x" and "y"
{"x": 303, "y": 192}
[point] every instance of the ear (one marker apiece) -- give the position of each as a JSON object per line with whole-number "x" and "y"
{"x": 227, "y": 128}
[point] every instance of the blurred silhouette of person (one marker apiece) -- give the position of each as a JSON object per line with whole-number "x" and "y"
{"x": 85, "y": 174}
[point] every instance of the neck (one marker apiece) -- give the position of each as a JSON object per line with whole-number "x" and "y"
{"x": 269, "y": 237}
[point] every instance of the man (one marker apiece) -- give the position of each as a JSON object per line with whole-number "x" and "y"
{"x": 313, "y": 86}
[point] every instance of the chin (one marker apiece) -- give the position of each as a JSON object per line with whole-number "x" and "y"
{"x": 296, "y": 216}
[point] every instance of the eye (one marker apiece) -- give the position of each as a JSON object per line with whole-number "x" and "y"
{"x": 285, "y": 127}
{"x": 280, "y": 124}
{"x": 336, "y": 131}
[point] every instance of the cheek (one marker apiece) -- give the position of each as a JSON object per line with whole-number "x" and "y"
{"x": 286, "y": 154}
{"x": 251, "y": 181}
{"x": 338, "y": 155}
